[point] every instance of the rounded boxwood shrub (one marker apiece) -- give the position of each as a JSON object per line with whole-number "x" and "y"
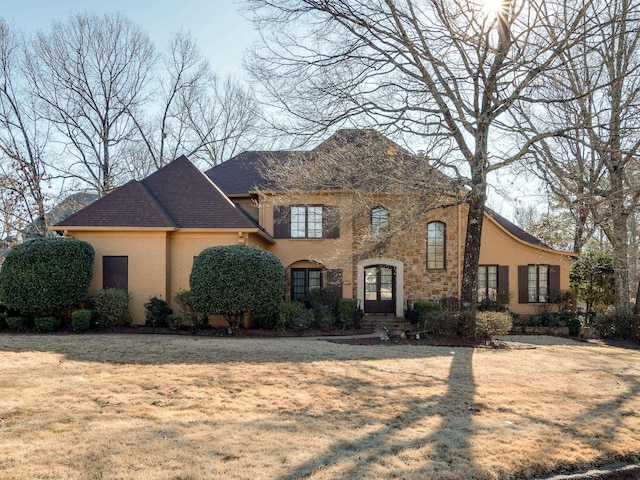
{"x": 43, "y": 276}
{"x": 110, "y": 306}
{"x": 46, "y": 324}
{"x": 19, "y": 324}
{"x": 81, "y": 320}
{"x": 194, "y": 319}
{"x": 156, "y": 312}
{"x": 233, "y": 280}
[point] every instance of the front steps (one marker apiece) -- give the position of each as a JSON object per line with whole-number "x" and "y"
{"x": 377, "y": 322}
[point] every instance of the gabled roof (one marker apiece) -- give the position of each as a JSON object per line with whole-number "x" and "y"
{"x": 176, "y": 196}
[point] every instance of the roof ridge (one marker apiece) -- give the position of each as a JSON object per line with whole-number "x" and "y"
{"x": 156, "y": 204}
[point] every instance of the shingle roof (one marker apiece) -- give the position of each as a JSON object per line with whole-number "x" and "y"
{"x": 515, "y": 230}
{"x": 242, "y": 174}
{"x": 177, "y": 195}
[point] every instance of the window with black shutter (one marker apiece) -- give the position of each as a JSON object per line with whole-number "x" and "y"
{"x": 538, "y": 283}
{"x": 306, "y": 221}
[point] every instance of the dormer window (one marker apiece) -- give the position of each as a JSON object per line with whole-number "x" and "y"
{"x": 379, "y": 220}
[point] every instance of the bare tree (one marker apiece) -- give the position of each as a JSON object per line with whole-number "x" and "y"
{"x": 448, "y": 71}
{"x": 594, "y": 166}
{"x": 23, "y": 139}
{"x": 183, "y": 73}
{"x": 223, "y": 119}
{"x": 90, "y": 73}
{"x": 197, "y": 114}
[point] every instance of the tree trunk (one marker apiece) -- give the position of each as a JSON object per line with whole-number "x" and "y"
{"x": 469, "y": 294}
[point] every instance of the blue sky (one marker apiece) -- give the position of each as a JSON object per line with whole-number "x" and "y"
{"x": 221, "y": 32}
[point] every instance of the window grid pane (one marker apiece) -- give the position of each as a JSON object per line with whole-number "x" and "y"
{"x": 492, "y": 282}
{"x": 298, "y": 280}
{"x": 298, "y": 222}
{"x": 482, "y": 283}
{"x": 314, "y": 222}
{"x": 379, "y": 220}
{"x": 315, "y": 279}
{"x": 435, "y": 245}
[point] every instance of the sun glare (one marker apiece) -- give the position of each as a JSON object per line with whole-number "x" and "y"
{"x": 492, "y": 6}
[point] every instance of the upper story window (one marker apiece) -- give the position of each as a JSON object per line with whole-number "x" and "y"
{"x": 379, "y": 220}
{"x": 306, "y": 221}
{"x": 436, "y": 251}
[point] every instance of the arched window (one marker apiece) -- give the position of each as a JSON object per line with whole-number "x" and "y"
{"x": 379, "y": 220}
{"x": 436, "y": 243}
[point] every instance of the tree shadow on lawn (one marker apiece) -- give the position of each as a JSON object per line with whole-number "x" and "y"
{"x": 445, "y": 451}
{"x": 597, "y": 427}
{"x": 178, "y": 350}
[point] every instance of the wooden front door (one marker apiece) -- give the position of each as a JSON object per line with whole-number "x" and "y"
{"x": 380, "y": 289}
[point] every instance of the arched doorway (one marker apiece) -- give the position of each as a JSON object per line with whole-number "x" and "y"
{"x": 380, "y": 289}
{"x": 381, "y": 286}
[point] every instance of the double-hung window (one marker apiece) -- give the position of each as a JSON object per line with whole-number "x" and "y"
{"x": 538, "y": 283}
{"x": 306, "y": 221}
{"x": 487, "y": 283}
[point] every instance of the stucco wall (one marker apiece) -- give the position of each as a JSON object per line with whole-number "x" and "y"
{"x": 147, "y": 254}
{"x": 500, "y": 248}
{"x": 329, "y": 253}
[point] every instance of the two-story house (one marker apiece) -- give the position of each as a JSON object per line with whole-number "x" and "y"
{"x": 146, "y": 234}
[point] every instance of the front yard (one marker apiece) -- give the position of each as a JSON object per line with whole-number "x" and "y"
{"x": 176, "y": 407}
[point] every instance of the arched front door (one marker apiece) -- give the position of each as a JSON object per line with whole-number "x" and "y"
{"x": 380, "y": 286}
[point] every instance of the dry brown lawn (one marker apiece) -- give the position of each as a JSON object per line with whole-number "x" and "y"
{"x": 165, "y": 407}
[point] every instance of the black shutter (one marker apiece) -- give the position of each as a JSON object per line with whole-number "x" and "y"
{"x": 330, "y": 222}
{"x": 503, "y": 284}
{"x": 554, "y": 282}
{"x": 523, "y": 284}
{"x": 282, "y": 221}
{"x": 115, "y": 272}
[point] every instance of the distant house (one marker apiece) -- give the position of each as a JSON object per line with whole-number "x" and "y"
{"x": 146, "y": 234}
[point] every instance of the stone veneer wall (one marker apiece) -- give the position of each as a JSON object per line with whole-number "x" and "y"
{"x": 410, "y": 247}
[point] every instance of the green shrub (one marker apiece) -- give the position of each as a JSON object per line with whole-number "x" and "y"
{"x": 490, "y": 324}
{"x": 46, "y": 324}
{"x": 443, "y": 322}
{"x": 324, "y": 318}
{"x": 110, "y": 306}
{"x": 348, "y": 312}
{"x": 574, "y": 326}
{"x": 195, "y": 319}
{"x": 610, "y": 325}
{"x": 489, "y": 305}
{"x": 295, "y": 316}
{"x": 174, "y": 322}
{"x": 19, "y": 324}
{"x": 233, "y": 280}
{"x": 156, "y": 312}
{"x": 81, "y": 320}
{"x": 3, "y": 321}
{"x": 423, "y": 309}
{"x": 43, "y": 276}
